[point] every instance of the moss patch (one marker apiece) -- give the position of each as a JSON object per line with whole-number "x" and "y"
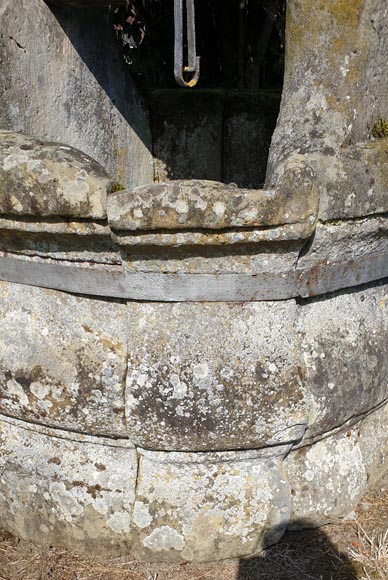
{"x": 380, "y": 129}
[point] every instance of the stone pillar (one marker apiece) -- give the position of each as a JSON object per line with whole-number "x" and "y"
{"x": 335, "y": 88}
{"x": 62, "y": 77}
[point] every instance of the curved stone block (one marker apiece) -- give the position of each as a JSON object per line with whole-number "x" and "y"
{"x": 44, "y": 179}
{"x": 77, "y": 493}
{"x": 324, "y": 113}
{"x": 62, "y": 359}
{"x": 83, "y": 93}
{"x": 211, "y": 205}
{"x": 204, "y": 506}
{"x": 95, "y": 494}
{"x": 207, "y": 376}
{"x": 344, "y": 340}
{"x": 329, "y": 477}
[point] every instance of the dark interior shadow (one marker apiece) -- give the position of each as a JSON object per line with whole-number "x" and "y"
{"x": 304, "y": 555}
{"x": 222, "y": 135}
{"x": 93, "y": 37}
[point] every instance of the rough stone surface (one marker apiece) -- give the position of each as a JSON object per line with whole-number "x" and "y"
{"x": 353, "y": 183}
{"x": 62, "y": 359}
{"x": 338, "y": 242}
{"x": 82, "y": 94}
{"x": 95, "y": 494}
{"x": 213, "y": 205}
{"x": 77, "y": 493}
{"x": 344, "y": 352}
{"x": 235, "y": 264}
{"x": 193, "y": 386}
{"x": 101, "y": 495}
{"x": 331, "y": 99}
{"x": 41, "y": 179}
{"x": 204, "y": 507}
{"x": 329, "y": 477}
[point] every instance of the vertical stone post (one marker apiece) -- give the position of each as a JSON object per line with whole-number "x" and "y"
{"x": 62, "y": 77}
{"x": 335, "y": 84}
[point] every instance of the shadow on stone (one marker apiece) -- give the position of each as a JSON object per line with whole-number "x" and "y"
{"x": 304, "y": 555}
{"x": 92, "y": 36}
{"x": 212, "y": 134}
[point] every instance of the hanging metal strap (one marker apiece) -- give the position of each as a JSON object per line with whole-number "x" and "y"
{"x": 181, "y": 68}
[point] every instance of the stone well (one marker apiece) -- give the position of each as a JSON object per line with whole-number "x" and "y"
{"x": 189, "y": 368}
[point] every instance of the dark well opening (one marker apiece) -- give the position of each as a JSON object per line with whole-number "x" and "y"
{"x": 221, "y": 129}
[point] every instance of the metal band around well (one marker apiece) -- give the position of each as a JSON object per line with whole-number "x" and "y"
{"x": 116, "y": 282}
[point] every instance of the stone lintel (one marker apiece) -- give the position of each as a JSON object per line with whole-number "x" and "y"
{"x": 210, "y": 205}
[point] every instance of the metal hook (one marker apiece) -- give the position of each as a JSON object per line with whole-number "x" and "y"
{"x": 192, "y": 59}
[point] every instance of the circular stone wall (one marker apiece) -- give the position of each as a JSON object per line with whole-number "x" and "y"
{"x": 155, "y": 399}
{"x": 187, "y": 431}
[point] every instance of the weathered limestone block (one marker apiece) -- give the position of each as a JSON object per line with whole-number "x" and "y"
{"x": 336, "y": 111}
{"x": 101, "y": 495}
{"x": 374, "y": 443}
{"x": 344, "y": 339}
{"x": 82, "y": 94}
{"x": 200, "y": 377}
{"x": 202, "y": 204}
{"x": 62, "y": 359}
{"x": 60, "y": 241}
{"x": 75, "y": 363}
{"x": 209, "y": 506}
{"x": 342, "y": 255}
{"x": 331, "y": 98}
{"x": 193, "y": 231}
{"x": 67, "y": 490}
{"x": 329, "y": 477}
{"x": 187, "y": 134}
{"x": 43, "y": 179}
{"x": 249, "y": 122}
{"x": 353, "y": 183}
{"x": 53, "y": 202}
{"x": 193, "y": 385}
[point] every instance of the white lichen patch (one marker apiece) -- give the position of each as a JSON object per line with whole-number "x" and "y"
{"x": 209, "y": 501}
{"x": 141, "y": 515}
{"x": 201, "y": 370}
{"x": 219, "y": 209}
{"x": 164, "y": 538}
{"x": 13, "y": 160}
{"x": 181, "y": 206}
{"x": 14, "y": 388}
{"x": 120, "y": 522}
{"x": 39, "y": 390}
{"x": 76, "y": 189}
{"x": 66, "y": 503}
{"x": 180, "y": 387}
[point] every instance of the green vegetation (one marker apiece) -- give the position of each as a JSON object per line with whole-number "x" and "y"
{"x": 380, "y": 129}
